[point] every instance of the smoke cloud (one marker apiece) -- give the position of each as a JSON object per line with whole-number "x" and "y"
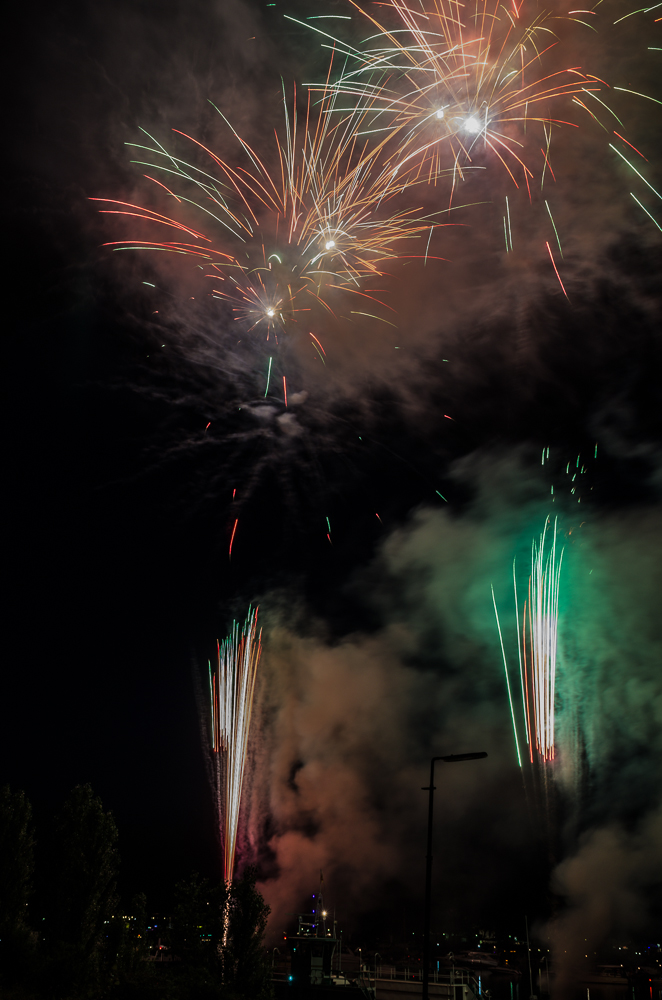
{"x": 348, "y": 725}
{"x": 608, "y": 885}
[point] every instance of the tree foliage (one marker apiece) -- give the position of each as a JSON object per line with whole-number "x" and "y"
{"x": 88, "y": 945}
{"x": 198, "y": 922}
{"x": 220, "y": 929}
{"x": 16, "y": 856}
{"x": 245, "y": 966}
{"x": 16, "y": 872}
{"x": 81, "y": 897}
{"x": 126, "y": 943}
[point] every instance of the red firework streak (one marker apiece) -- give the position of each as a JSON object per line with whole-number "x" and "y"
{"x": 232, "y": 538}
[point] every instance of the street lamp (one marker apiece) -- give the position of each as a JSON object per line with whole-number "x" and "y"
{"x": 449, "y": 759}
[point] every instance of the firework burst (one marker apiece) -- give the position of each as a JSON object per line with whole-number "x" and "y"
{"x": 448, "y": 82}
{"x": 285, "y": 238}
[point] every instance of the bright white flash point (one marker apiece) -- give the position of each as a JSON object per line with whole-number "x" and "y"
{"x": 330, "y": 244}
{"x": 271, "y": 312}
{"x": 440, "y": 113}
{"x": 472, "y": 125}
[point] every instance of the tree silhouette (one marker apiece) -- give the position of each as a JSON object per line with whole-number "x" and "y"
{"x": 81, "y": 895}
{"x": 246, "y": 971}
{"x": 16, "y": 870}
{"x": 197, "y": 925}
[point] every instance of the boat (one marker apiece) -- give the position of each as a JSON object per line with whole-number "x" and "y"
{"x": 312, "y": 974}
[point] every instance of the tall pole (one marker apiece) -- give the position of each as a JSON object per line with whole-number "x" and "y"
{"x": 428, "y": 883}
{"x": 528, "y": 949}
{"x": 450, "y": 759}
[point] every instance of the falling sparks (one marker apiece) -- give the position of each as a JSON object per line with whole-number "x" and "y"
{"x": 444, "y": 85}
{"x": 549, "y": 211}
{"x": 556, "y": 270}
{"x": 234, "y": 529}
{"x": 318, "y": 347}
{"x": 510, "y": 694}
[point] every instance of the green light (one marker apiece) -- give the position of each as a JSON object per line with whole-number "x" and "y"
{"x": 628, "y": 162}
{"x": 643, "y": 207}
{"x": 554, "y": 227}
{"x": 519, "y": 644}
{"x": 505, "y": 667}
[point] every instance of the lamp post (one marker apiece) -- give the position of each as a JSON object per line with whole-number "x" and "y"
{"x": 449, "y": 759}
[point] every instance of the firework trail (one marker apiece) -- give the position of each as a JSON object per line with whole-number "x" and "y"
{"x": 537, "y": 636}
{"x": 231, "y": 690}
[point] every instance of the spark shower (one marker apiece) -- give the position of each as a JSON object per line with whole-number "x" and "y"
{"x": 537, "y": 637}
{"x": 231, "y": 691}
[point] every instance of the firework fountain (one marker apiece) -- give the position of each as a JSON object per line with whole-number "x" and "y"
{"x": 231, "y": 691}
{"x": 537, "y": 636}
{"x": 541, "y": 612}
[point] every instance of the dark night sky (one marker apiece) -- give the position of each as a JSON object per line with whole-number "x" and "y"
{"x": 116, "y": 532}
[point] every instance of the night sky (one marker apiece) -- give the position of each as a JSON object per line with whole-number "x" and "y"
{"x": 380, "y": 642}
